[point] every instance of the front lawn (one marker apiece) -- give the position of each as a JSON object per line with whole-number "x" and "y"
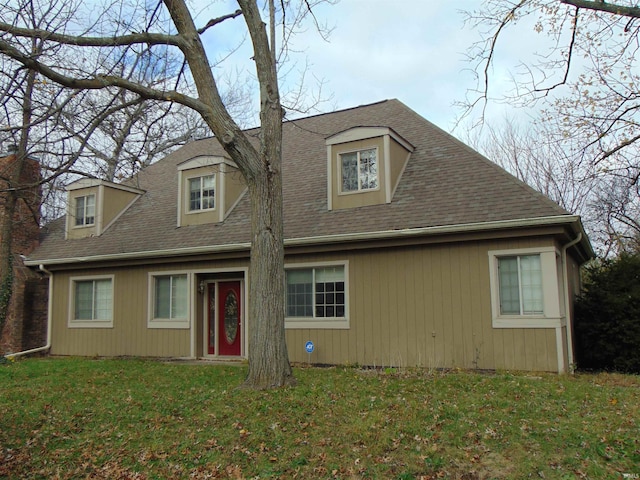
{"x": 123, "y": 419}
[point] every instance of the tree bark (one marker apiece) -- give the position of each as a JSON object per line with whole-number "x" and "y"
{"x": 268, "y": 357}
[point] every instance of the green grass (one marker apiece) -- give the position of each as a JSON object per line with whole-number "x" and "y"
{"x": 122, "y": 419}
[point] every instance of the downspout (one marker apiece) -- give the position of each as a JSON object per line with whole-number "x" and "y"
{"x": 12, "y": 356}
{"x": 569, "y": 324}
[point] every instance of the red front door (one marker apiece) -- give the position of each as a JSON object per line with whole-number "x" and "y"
{"x": 229, "y": 318}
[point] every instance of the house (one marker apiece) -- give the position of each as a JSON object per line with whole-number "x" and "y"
{"x": 403, "y": 246}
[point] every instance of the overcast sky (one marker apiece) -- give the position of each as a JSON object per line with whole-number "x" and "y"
{"x": 413, "y": 50}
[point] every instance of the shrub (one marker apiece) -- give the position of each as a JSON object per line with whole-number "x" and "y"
{"x": 607, "y": 316}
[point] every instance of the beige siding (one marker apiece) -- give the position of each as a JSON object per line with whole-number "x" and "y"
{"x": 399, "y": 159}
{"x": 234, "y": 187}
{"x": 130, "y": 335}
{"x": 114, "y": 202}
{"x": 427, "y": 306}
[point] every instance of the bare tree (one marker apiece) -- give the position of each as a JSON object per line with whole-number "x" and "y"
{"x": 584, "y": 80}
{"x": 19, "y": 112}
{"x": 604, "y": 199}
{"x": 545, "y": 166}
{"x": 105, "y": 134}
{"x": 261, "y": 166}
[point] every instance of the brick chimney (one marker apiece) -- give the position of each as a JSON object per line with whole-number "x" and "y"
{"x": 25, "y": 325}
{"x": 26, "y": 220}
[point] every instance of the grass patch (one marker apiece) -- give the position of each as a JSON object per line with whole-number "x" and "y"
{"x": 79, "y": 418}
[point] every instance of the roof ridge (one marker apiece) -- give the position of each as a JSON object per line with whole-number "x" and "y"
{"x": 338, "y": 111}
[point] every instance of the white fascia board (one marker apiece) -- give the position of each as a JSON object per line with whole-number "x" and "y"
{"x": 363, "y": 133}
{"x": 94, "y": 182}
{"x": 205, "y": 161}
{"x": 175, "y": 252}
{"x": 556, "y": 220}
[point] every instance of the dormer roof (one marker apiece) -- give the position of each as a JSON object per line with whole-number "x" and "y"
{"x": 445, "y": 186}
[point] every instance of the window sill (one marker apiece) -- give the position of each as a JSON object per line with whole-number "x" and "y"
{"x": 174, "y": 324}
{"x": 203, "y": 210}
{"x": 299, "y": 323}
{"x": 356, "y": 192}
{"x": 91, "y": 324}
{"x": 522, "y": 321}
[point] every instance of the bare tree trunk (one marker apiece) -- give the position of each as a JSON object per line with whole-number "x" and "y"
{"x": 268, "y": 356}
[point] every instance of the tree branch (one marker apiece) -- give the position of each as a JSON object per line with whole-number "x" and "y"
{"x": 215, "y": 21}
{"x": 574, "y": 32}
{"x": 100, "y": 81}
{"x": 601, "y": 6}
{"x": 131, "y": 39}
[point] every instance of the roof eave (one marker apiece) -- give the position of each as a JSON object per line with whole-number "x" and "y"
{"x": 572, "y": 221}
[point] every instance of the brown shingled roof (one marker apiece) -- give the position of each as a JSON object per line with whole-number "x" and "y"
{"x": 444, "y": 183}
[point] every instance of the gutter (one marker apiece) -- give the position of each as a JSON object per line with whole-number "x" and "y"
{"x": 329, "y": 239}
{"x": 12, "y": 356}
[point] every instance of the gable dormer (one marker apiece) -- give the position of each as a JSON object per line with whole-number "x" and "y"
{"x": 93, "y": 205}
{"x": 209, "y": 188}
{"x": 364, "y": 166}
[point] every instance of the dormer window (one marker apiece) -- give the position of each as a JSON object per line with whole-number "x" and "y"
{"x": 202, "y": 193}
{"x": 85, "y": 210}
{"x": 208, "y": 189}
{"x": 93, "y": 205}
{"x": 359, "y": 170}
{"x": 364, "y": 166}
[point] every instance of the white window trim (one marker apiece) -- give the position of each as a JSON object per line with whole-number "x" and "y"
{"x": 188, "y": 210}
{"x": 72, "y": 322}
{"x": 152, "y": 322}
{"x": 551, "y": 316}
{"x": 339, "y": 170}
{"x": 75, "y": 210}
{"x": 334, "y": 323}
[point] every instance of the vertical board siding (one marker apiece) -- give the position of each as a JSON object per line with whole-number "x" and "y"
{"x": 130, "y": 335}
{"x": 426, "y": 306}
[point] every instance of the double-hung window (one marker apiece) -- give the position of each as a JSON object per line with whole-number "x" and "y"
{"x": 359, "y": 170}
{"x": 85, "y": 210}
{"x": 202, "y": 193}
{"x": 319, "y": 294}
{"x": 92, "y": 302}
{"x": 520, "y": 279}
{"x": 169, "y": 301}
{"x": 526, "y": 288}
